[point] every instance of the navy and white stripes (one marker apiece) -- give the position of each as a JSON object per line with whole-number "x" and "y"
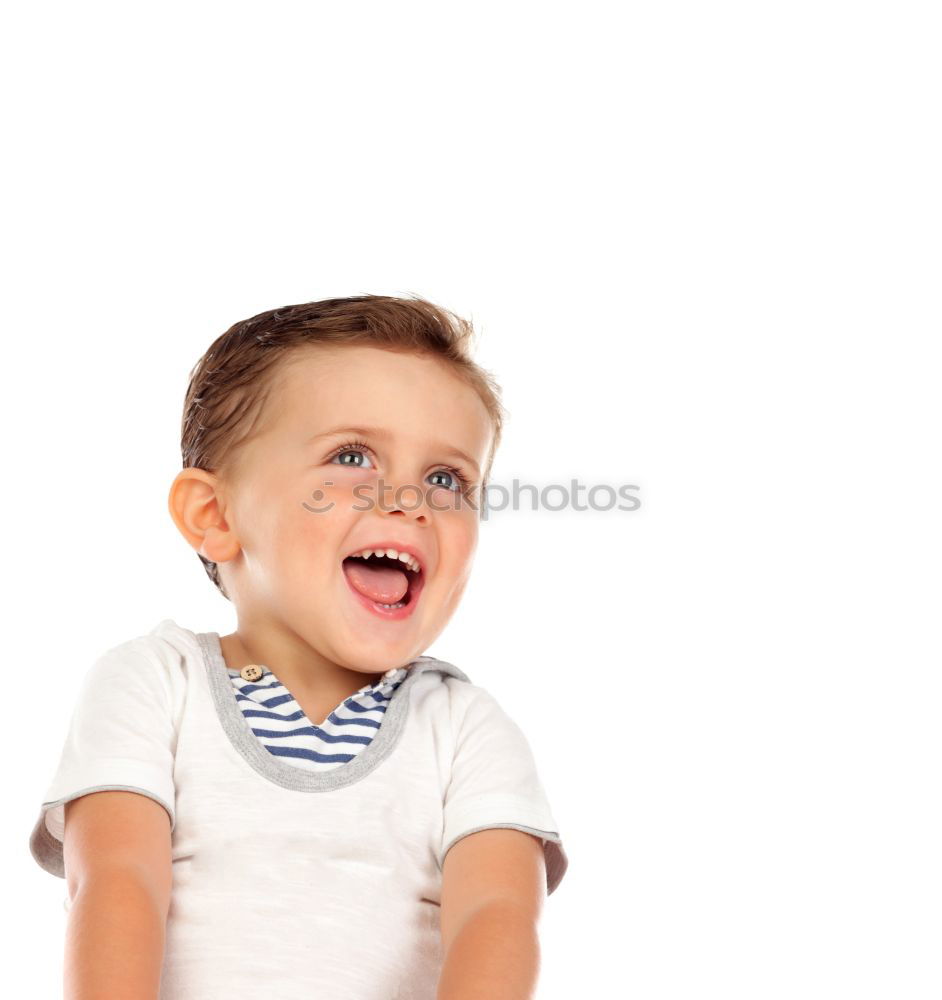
{"x": 285, "y": 731}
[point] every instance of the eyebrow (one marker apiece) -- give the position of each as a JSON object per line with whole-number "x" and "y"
{"x": 380, "y": 433}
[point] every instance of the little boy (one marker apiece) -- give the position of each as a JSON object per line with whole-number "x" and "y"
{"x": 310, "y": 806}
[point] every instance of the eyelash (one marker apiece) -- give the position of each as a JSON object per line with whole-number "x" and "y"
{"x": 362, "y": 446}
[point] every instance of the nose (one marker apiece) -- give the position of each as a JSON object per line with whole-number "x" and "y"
{"x": 406, "y": 501}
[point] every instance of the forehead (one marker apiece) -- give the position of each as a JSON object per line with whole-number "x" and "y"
{"x": 321, "y": 386}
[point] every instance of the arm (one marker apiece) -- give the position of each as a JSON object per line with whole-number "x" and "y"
{"x": 493, "y": 890}
{"x": 117, "y": 856}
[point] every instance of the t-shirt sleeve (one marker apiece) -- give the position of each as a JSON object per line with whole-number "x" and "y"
{"x": 494, "y": 780}
{"x": 121, "y": 737}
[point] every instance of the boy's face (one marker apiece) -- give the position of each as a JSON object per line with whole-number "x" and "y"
{"x": 292, "y": 504}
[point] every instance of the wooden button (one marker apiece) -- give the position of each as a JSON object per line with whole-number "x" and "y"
{"x": 252, "y": 672}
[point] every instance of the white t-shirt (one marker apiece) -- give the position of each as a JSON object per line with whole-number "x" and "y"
{"x": 290, "y": 883}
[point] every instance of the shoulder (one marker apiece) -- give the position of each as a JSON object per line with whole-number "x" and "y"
{"x": 469, "y": 708}
{"x": 445, "y": 682}
{"x": 155, "y": 663}
{"x": 440, "y": 692}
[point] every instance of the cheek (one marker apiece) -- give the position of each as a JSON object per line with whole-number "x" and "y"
{"x": 317, "y": 523}
{"x": 460, "y": 537}
{"x": 302, "y": 519}
{"x": 341, "y": 494}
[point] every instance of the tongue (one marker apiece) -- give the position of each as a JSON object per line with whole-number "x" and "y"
{"x": 377, "y": 582}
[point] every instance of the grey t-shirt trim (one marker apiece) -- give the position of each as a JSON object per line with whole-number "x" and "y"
{"x": 239, "y": 730}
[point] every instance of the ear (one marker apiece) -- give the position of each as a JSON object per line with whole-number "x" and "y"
{"x": 196, "y": 506}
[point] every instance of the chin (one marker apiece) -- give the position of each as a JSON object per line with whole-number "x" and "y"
{"x": 379, "y": 656}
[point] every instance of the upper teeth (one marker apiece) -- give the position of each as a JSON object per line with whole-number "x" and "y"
{"x": 410, "y": 561}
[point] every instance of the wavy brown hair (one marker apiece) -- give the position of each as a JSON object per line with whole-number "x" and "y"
{"x": 231, "y": 383}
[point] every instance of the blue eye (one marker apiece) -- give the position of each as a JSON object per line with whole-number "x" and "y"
{"x": 348, "y": 456}
{"x": 456, "y": 480}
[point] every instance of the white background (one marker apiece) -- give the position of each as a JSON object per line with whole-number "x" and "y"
{"x": 701, "y": 243}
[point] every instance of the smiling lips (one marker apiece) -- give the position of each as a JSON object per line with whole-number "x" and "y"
{"x": 385, "y": 585}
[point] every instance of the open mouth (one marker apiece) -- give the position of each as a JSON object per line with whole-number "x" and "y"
{"x": 385, "y": 584}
